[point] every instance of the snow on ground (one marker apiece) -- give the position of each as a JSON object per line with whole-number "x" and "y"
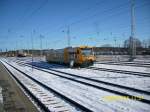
{"x": 138, "y": 82}
{"x": 134, "y": 81}
{"x": 1, "y": 96}
{"x": 127, "y": 68}
{"x": 42, "y": 94}
{"x": 103, "y": 85}
{"x": 135, "y": 64}
{"x": 88, "y": 96}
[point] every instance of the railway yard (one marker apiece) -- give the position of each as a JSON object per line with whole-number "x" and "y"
{"x": 75, "y": 56}
{"x": 107, "y": 86}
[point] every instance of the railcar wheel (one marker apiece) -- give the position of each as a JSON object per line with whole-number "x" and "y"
{"x": 91, "y": 63}
{"x": 71, "y": 63}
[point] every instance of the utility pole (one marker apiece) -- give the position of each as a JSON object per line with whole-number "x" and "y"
{"x": 96, "y": 25}
{"x": 32, "y": 46}
{"x": 21, "y": 42}
{"x": 115, "y": 46}
{"x": 41, "y": 36}
{"x": 133, "y": 43}
{"x": 27, "y": 48}
{"x": 16, "y": 48}
{"x": 149, "y": 42}
{"x": 68, "y": 35}
{"x": 46, "y": 46}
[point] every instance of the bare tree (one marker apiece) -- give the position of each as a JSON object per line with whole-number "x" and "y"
{"x": 127, "y": 43}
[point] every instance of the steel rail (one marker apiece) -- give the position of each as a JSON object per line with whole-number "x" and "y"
{"x": 32, "y": 96}
{"x": 95, "y": 86}
{"x": 120, "y": 71}
{"x": 54, "y": 91}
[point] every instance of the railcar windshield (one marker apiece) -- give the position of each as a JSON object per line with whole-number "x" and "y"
{"x": 87, "y": 52}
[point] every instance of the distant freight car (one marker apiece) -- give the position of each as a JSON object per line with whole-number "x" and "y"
{"x": 21, "y": 54}
{"x": 78, "y": 56}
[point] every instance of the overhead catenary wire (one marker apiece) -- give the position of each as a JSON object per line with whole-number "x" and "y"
{"x": 26, "y": 18}
{"x": 122, "y": 13}
{"x": 117, "y": 14}
{"x": 84, "y": 19}
{"x": 106, "y": 11}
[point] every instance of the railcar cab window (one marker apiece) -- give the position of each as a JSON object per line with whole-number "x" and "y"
{"x": 86, "y": 52}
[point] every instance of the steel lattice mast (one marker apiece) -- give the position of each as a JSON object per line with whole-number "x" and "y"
{"x": 133, "y": 40}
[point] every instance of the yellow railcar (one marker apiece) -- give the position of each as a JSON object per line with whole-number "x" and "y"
{"x": 77, "y": 56}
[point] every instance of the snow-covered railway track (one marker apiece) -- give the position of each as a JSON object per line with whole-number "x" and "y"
{"x": 102, "y": 85}
{"x": 45, "y": 97}
{"x": 26, "y": 88}
{"x": 120, "y": 71}
{"x": 147, "y": 65}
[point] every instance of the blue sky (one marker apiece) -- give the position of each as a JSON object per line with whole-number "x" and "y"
{"x": 91, "y": 22}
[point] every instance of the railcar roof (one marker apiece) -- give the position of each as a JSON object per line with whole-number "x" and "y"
{"x": 85, "y": 47}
